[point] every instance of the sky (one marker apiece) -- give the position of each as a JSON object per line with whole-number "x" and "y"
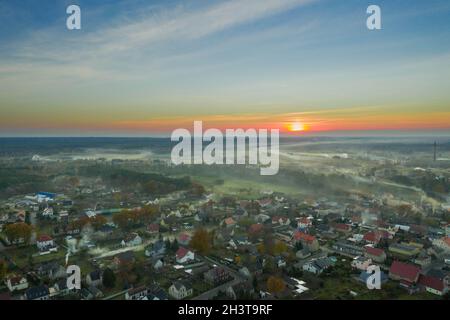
{"x": 143, "y": 68}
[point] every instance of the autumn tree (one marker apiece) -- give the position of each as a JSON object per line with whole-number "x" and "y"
{"x": 201, "y": 241}
{"x": 98, "y": 221}
{"x": 279, "y": 248}
{"x": 109, "y": 278}
{"x": 275, "y": 285}
{"x": 18, "y": 231}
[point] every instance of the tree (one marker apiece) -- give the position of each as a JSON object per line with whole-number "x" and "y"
{"x": 275, "y": 285}
{"x": 201, "y": 241}
{"x": 279, "y": 248}
{"x": 98, "y": 221}
{"x": 17, "y": 232}
{"x": 122, "y": 219}
{"x": 109, "y": 278}
{"x": 261, "y": 248}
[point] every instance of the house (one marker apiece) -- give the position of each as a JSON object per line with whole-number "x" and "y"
{"x": 433, "y": 284}
{"x": 372, "y": 237}
{"x": 229, "y": 222}
{"x": 408, "y": 274}
{"x": 342, "y": 227}
{"x": 346, "y": 248}
{"x": 184, "y": 239}
{"x": 157, "y": 263}
{"x": 16, "y": 283}
{"x": 37, "y": 293}
{"x": 408, "y": 250}
{"x": 155, "y": 293}
{"x": 136, "y": 293}
{"x": 306, "y": 240}
{"x": 180, "y": 290}
{"x": 304, "y": 222}
{"x": 239, "y": 290}
{"x": 217, "y": 275}
{"x": 131, "y": 240}
{"x": 51, "y": 270}
{"x": 124, "y": 258}
{"x": 45, "y": 243}
{"x": 153, "y": 228}
{"x": 317, "y": 266}
{"x": 184, "y": 255}
{"x": 94, "y": 278}
{"x": 48, "y": 212}
{"x": 361, "y": 263}
{"x": 423, "y": 259}
{"x": 279, "y": 220}
{"x": 442, "y": 243}
{"x": 156, "y": 249}
{"x": 303, "y": 253}
{"x": 376, "y": 254}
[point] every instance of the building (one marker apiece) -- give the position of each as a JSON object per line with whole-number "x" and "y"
{"x": 217, "y": 275}
{"x": 94, "y": 278}
{"x": 138, "y": 293}
{"x": 442, "y": 243}
{"x": 16, "y": 283}
{"x": 342, "y": 227}
{"x": 37, "y": 293}
{"x": 407, "y": 274}
{"x": 433, "y": 284}
{"x": 180, "y": 290}
{"x": 131, "y": 240}
{"x": 376, "y": 254}
{"x": 45, "y": 243}
{"x": 346, "y": 248}
{"x": 317, "y": 266}
{"x": 361, "y": 263}
{"x": 408, "y": 250}
{"x": 184, "y": 255}
{"x": 306, "y": 240}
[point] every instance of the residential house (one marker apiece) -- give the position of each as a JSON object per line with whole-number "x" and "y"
{"x": 229, "y": 222}
{"x": 180, "y": 290}
{"x": 61, "y": 287}
{"x": 136, "y": 293}
{"x": 48, "y": 212}
{"x": 346, "y": 248}
{"x": 217, "y": 275}
{"x": 317, "y": 266}
{"x": 442, "y": 243}
{"x": 155, "y": 293}
{"x": 423, "y": 259}
{"x": 433, "y": 284}
{"x": 361, "y": 263}
{"x": 341, "y": 227}
{"x": 184, "y": 255}
{"x": 255, "y": 229}
{"x": 376, "y": 254}
{"x": 131, "y": 240}
{"x": 51, "y": 270}
{"x": 16, "y": 283}
{"x": 38, "y": 293}
{"x": 407, "y": 274}
{"x": 45, "y": 243}
{"x": 156, "y": 249}
{"x": 408, "y": 250}
{"x": 304, "y": 222}
{"x": 306, "y": 240}
{"x": 280, "y": 220}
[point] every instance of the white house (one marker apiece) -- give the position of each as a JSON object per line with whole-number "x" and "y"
{"x": 361, "y": 263}
{"x": 442, "y": 243}
{"x": 180, "y": 290}
{"x": 45, "y": 243}
{"x": 184, "y": 255}
{"x": 132, "y": 239}
{"x": 16, "y": 283}
{"x": 48, "y": 212}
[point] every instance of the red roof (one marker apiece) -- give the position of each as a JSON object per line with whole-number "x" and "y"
{"x": 372, "y": 236}
{"x": 181, "y": 252}
{"x": 405, "y": 271}
{"x": 374, "y": 251}
{"x": 44, "y": 238}
{"x": 301, "y": 236}
{"x": 431, "y": 282}
{"x": 342, "y": 227}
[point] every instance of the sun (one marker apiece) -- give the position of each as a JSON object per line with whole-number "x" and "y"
{"x": 296, "y": 126}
